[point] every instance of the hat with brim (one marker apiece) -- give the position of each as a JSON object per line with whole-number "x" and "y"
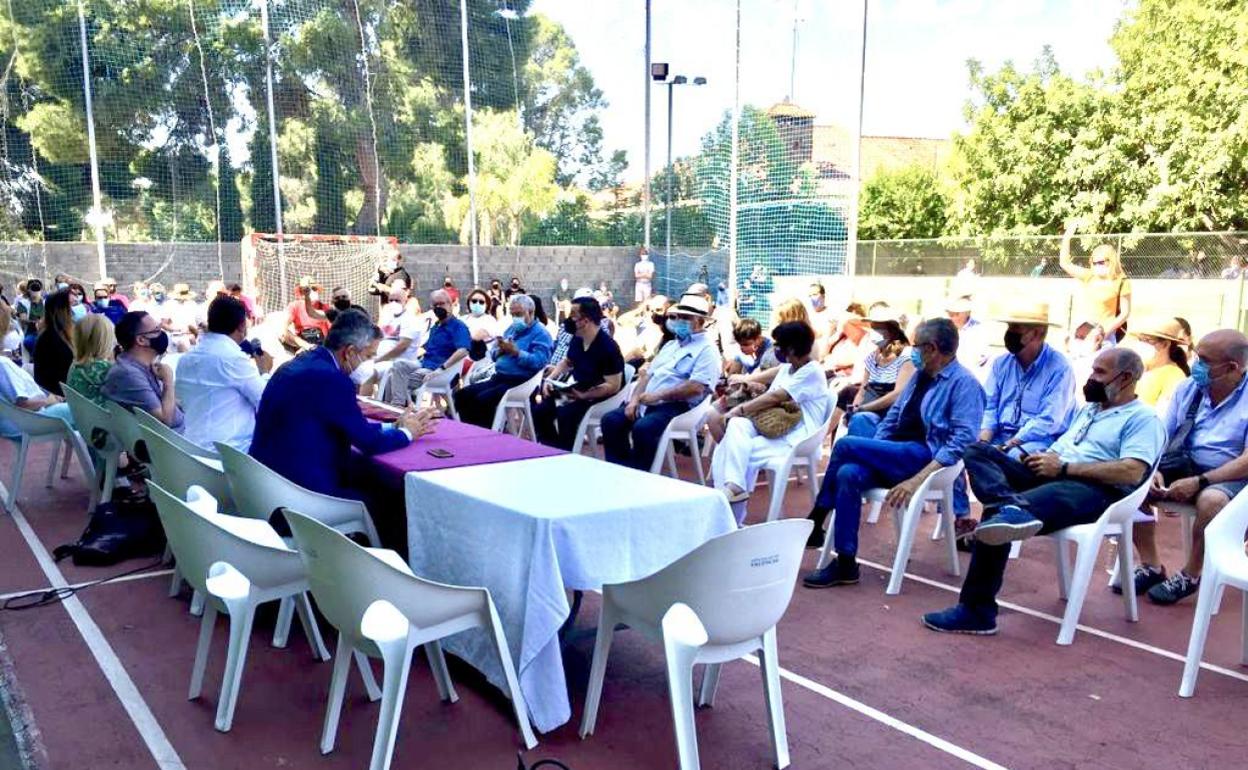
{"x": 1025, "y": 313}
{"x": 1159, "y": 328}
{"x": 958, "y": 305}
{"x": 883, "y": 314}
{"x": 182, "y": 291}
{"x": 694, "y": 305}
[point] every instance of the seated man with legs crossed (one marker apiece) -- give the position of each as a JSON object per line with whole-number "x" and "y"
{"x": 1205, "y": 462}
{"x": 521, "y": 352}
{"x": 1109, "y": 450}
{"x": 927, "y": 428}
{"x": 597, "y": 369}
{"x": 683, "y": 372}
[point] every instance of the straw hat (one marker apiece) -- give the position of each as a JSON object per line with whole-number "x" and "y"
{"x": 182, "y": 291}
{"x": 1160, "y": 328}
{"x": 959, "y": 304}
{"x": 1027, "y": 312}
{"x": 883, "y": 314}
{"x": 694, "y": 305}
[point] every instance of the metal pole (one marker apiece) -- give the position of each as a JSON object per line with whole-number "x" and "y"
{"x": 97, "y": 203}
{"x": 670, "y": 90}
{"x": 732, "y": 169}
{"x": 645, "y": 188}
{"x": 851, "y": 251}
{"x": 472, "y": 174}
{"x": 793, "y": 59}
{"x": 277, "y": 189}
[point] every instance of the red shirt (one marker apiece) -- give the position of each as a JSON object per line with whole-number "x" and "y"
{"x": 299, "y": 316}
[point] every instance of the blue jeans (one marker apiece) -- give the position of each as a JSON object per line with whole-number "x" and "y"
{"x": 633, "y": 443}
{"x": 865, "y": 424}
{"x": 859, "y": 464}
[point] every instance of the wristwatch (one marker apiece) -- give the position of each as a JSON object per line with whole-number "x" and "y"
{"x": 1062, "y": 473}
{"x": 1203, "y": 480}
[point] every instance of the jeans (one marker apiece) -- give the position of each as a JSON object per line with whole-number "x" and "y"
{"x": 477, "y": 403}
{"x": 633, "y": 443}
{"x": 998, "y": 479}
{"x": 859, "y": 464}
{"x": 557, "y": 420}
{"x": 866, "y": 423}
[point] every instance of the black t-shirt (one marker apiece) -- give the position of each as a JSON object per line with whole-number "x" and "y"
{"x": 398, "y": 274}
{"x": 910, "y": 426}
{"x": 590, "y": 367}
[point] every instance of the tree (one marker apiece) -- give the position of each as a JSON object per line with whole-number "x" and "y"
{"x": 906, "y": 203}
{"x": 230, "y": 220}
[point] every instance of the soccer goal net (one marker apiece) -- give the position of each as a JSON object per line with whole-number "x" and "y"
{"x": 273, "y": 267}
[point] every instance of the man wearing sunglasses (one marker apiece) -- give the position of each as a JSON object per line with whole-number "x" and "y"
{"x": 1110, "y": 448}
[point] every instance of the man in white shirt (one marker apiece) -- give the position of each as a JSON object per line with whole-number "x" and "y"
{"x": 219, "y": 384}
{"x": 403, "y": 329}
{"x": 17, "y": 387}
{"x": 643, "y": 277}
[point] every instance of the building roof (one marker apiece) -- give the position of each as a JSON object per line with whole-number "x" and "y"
{"x": 834, "y": 145}
{"x": 787, "y": 109}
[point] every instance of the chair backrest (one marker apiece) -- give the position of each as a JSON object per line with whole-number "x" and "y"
{"x": 1224, "y": 537}
{"x": 198, "y": 543}
{"x": 31, "y": 423}
{"x": 1125, "y": 509}
{"x": 146, "y": 420}
{"x": 89, "y": 416}
{"x": 739, "y": 584}
{"x": 520, "y": 393}
{"x": 814, "y": 442}
{"x": 630, "y": 372}
{"x": 693, "y": 419}
{"x": 440, "y": 380}
{"x": 346, "y": 580}
{"x": 259, "y": 491}
{"x": 125, "y": 427}
{"x": 178, "y": 471}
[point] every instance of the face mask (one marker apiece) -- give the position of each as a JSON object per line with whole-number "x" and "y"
{"x": 441, "y": 313}
{"x": 563, "y": 285}
{"x": 816, "y": 303}
{"x": 681, "y": 328}
{"x": 658, "y": 319}
{"x": 1101, "y": 270}
{"x": 143, "y": 293}
{"x": 1145, "y": 351}
{"x": 342, "y": 303}
{"x": 78, "y": 312}
{"x": 1095, "y": 392}
{"x": 396, "y": 307}
{"x": 101, "y": 301}
{"x": 476, "y": 308}
{"x": 782, "y": 356}
{"x": 62, "y": 286}
{"x": 158, "y": 297}
{"x": 569, "y": 325}
{"x": 1200, "y": 374}
{"x": 877, "y": 339}
{"x": 916, "y": 358}
{"x": 1013, "y": 342}
{"x": 518, "y": 324}
{"x": 315, "y": 296}
{"x": 158, "y": 343}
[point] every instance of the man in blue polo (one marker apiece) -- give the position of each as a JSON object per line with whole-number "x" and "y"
{"x": 445, "y": 347}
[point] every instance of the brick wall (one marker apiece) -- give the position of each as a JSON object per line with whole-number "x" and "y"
{"x": 193, "y": 263}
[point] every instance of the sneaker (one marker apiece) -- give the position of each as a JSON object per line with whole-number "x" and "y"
{"x": 837, "y": 573}
{"x": 1175, "y": 588}
{"x": 1144, "y": 577}
{"x": 960, "y": 619}
{"x": 1009, "y": 524}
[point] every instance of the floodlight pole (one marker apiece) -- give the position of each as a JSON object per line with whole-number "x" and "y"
{"x": 851, "y": 241}
{"x": 668, "y": 210}
{"x": 472, "y": 174}
{"x": 645, "y": 188}
{"x": 284, "y": 292}
{"x": 732, "y": 170}
{"x": 97, "y": 203}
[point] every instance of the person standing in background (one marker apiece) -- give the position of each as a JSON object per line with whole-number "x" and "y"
{"x": 643, "y": 276}
{"x": 1105, "y": 295}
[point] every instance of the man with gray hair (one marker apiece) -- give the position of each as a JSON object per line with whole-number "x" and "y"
{"x": 520, "y": 353}
{"x": 446, "y": 345}
{"x": 1110, "y": 448}
{"x": 927, "y": 428}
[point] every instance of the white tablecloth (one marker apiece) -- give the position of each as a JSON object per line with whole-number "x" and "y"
{"x": 532, "y": 529}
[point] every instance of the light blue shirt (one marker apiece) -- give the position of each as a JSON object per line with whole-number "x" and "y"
{"x": 1099, "y": 435}
{"x": 219, "y": 388}
{"x": 534, "y": 345}
{"x": 1220, "y": 431}
{"x": 952, "y": 409}
{"x": 696, "y": 359}
{"x": 1034, "y": 405}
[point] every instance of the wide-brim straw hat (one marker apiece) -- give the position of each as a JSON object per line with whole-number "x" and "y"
{"x": 883, "y": 314}
{"x": 1159, "y": 328}
{"x": 182, "y": 291}
{"x": 960, "y": 304}
{"x": 1026, "y": 313}
{"x": 694, "y": 305}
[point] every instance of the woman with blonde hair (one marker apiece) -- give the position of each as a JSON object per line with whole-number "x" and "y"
{"x": 94, "y": 347}
{"x": 1106, "y": 293}
{"x": 790, "y": 310}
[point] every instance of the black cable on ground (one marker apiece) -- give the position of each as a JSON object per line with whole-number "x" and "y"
{"x": 52, "y": 596}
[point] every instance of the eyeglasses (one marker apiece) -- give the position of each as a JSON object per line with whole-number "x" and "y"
{"x": 1099, "y": 263}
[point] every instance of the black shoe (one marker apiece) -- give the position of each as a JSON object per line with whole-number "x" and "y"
{"x": 1144, "y": 579}
{"x": 1175, "y": 588}
{"x": 817, "y": 535}
{"x": 960, "y": 619}
{"x": 837, "y": 573}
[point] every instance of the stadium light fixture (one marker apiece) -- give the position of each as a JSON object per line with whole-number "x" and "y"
{"x": 660, "y": 72}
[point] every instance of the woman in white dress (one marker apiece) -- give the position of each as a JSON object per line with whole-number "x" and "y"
{"x": 800, "y": 380}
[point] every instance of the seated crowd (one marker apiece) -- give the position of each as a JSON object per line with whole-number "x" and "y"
{"x": 1041, "y": 450}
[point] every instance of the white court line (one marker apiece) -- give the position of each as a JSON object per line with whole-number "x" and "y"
{"x": 84, "y": 584}
{"x": 1090, "y": 630}
{"x": 934, "y": 741}
{"x": 144, "y": 720}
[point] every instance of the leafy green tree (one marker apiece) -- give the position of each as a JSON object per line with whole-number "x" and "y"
{"x": 230, "y": 223}
{"x": 909, "y": 202}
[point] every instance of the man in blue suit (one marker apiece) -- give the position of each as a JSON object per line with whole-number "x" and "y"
{"x": 309, "y": 418}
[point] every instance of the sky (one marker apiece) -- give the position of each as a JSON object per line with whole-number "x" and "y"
{"x": 916, "y": 77}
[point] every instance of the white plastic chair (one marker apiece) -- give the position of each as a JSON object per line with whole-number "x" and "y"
{"x": 805, "y": 455}
{"x": 125, "y": 428}
{"x": 683, "y": 427}
{"x": 938, "y": 486}
{"x": 1117, "y": 520}
{"x": 238, "y": 564}
{"x": 717, "y": 603}
{"x": 440, "y": 384}
{"x": 384, "y": 611}
{"x": 90, "y": 419}
{"x": 1225, "y": 565}
{"x": 259, "y": 491}
{"x": 41, "y": 429}
{"x": 518, "y": 399}
{"x": 146, "y": 420}
{"x": 591, "y": 423}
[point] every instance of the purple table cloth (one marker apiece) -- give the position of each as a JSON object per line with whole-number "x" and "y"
{"x": 469, "y": 444}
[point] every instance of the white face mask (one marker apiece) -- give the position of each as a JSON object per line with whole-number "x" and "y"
{"x": 1145, "y": 351}
{"x": 315, "y": 296}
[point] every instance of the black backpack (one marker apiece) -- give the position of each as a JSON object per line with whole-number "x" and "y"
{"x": 119, "y": 530}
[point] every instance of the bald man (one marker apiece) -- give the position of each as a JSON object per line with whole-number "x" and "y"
{"x": 446, "y": 345}
{"x": 1110, "y": 448}
{"x": 1206, "y": 462}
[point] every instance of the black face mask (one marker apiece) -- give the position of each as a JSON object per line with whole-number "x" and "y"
{"x": 159, "y": 343}
{"x": 342, "y": 303}
{"x": 441, "y": 313}
{"x": 569, "y": 326}
{"x": 1094, "y": 392}
{"x": 782, "y": 356}
{"x": 658, "y": 318}
{"x": 1013, "y": 342}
